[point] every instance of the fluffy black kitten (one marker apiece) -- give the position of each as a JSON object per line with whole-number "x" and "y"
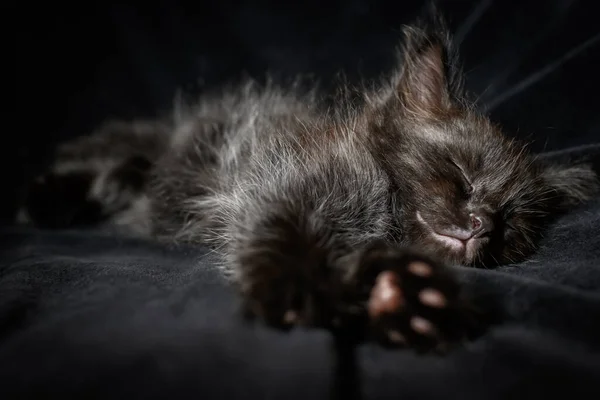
{"x": 328, "y": 217}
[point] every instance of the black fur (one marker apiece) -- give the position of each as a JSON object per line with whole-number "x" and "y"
{"x": 307, "y": 206}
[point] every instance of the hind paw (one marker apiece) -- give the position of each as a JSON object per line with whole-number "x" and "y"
{"x": 79, "y": 193}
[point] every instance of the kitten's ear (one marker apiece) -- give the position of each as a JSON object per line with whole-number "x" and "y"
{"x": 573, "y": 184}
{"x": 430, "y": 81}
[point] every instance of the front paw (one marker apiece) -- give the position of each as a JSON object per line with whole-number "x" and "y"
{"x": 283, "y": 293}
{"x": 412, "y": 300}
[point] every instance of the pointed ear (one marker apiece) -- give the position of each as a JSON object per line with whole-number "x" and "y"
{"x": 573, "y": 184}
{"x": 430, "y": 82}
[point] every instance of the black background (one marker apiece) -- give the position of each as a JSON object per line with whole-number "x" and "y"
{"x": 533, "y": 64}
{"x": 88, "y": 315}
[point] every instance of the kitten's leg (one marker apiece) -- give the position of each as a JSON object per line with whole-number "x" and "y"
{"x": 284, "y": 272}
{"x": 97, "y": 177}
{"x": 393, "y": 295}
{"x": 293, "y": 272}
{"x": 412, "y": 300}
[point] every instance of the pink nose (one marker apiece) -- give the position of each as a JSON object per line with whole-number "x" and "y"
{"x": 475, "y": 222}
{"x": 481, "y": 223}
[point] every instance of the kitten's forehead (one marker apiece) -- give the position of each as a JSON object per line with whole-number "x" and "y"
{"x": 493, "y": 162}
{"x": 460, "y": 127}
{"x": 433, "y": 133}
{"x": 507, "y": 175}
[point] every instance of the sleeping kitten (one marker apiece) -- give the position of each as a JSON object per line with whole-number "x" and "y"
{"x": 332, "y": 218}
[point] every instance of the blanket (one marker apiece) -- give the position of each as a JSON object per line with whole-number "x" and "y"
{"x": 92, "y": 315}
{"x": 88, "y": 314}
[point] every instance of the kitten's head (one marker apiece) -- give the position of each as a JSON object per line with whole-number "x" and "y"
{"x": 468, "y": 194}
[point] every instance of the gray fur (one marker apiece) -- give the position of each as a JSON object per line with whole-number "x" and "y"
{"x": 291, "y": 194}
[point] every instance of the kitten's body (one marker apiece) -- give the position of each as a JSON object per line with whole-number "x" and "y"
{"x": 307, "y": 206}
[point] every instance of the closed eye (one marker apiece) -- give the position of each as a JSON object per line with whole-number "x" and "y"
{"x": 468, "y": 182}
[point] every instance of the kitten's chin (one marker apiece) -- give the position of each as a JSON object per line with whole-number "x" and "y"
{"x": 467, "y": 253}
{"x": 473, "y": 250}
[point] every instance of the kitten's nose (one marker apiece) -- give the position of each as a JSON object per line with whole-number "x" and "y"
{"x": 481, "y": 223}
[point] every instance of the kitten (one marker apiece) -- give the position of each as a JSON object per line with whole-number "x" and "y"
{"x": 335, "y": 218}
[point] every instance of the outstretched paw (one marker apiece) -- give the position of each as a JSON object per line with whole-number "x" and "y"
{"x": 412, "y": 300}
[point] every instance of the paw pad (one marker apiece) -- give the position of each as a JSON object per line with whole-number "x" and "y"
{"x": 412, "y": 302}
{"x": 432, "y": 298}
{"x": 386, "y": 295}
{"x": 420, "y": 269}
{"x": 422, "y": 326}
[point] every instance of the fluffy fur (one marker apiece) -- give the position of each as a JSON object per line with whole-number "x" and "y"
{"x": 297, "y": 199}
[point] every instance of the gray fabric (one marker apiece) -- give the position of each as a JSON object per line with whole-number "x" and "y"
{"x": 87, "y": 315}
{"x": 90, "y": 315}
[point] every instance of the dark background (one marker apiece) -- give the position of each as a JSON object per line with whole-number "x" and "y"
{"x": 92, "y": 315}
{"x": 533, "y": 63}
